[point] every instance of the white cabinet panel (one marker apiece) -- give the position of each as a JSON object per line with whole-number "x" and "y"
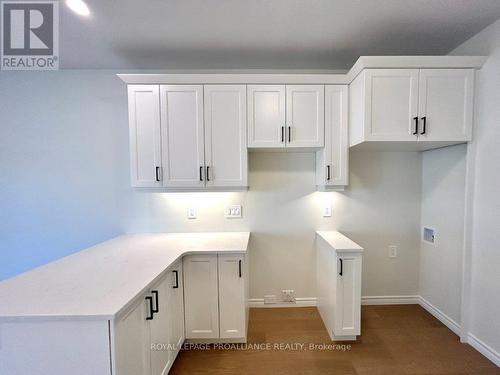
{"x": 391, "y": 104}
{"x": 266, "y": 116}
{"x": 201, "y": 296}
{"x": 232, "y": 304}
{"x": 225, "y": 135}
{"x": 144, "y": 129}
{"x": 445, "y": 104}
{"x": 305, "y": 116}
{"x": 182, "y": 135}
{"x": 348, "y": 306}
{"x": 132, "y": 341}
{"x": 160, "y": 328}
{"x": 176, "y": 308}
{"x": 332, "y": 160}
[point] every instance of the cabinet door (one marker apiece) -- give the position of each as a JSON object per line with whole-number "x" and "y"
{"x": 132, "y": 341}
{"x": 445, "y": 104}
{"x": 144, "y": 134}
{"x": 176, "y": 309}
{"x": 348, "y": 306}
{"x": 232, "y": 296}
{"x": 201, "y": 305}
{"x": 182, "y": 135}
{"x": 305, "y": 116}
{"x": 391, "y": 97}
{"x": 266, "y": 116}
{"x": 225, "y": 135}
{"x": 331, "y": 161}
{"x": 160, "y": 328}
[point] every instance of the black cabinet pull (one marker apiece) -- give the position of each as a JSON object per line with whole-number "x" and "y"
{"x": 282, "y": 134}
{"x": 239, "y": 267}
{"x": 328, "y": 173}
{"x": 157, "y": 308}
{"x": 289, "y": 134}
{"x": 416, "y": 125}
{"x": 176, "y": 279}
{"x": 201, "y": 173}
{"x": 150, "y": 300}
{"x": 424, "y": 119}
{"x": 208, "y": 173}
{"x": 341, "y": 267}
{"x": 158, "y": 174}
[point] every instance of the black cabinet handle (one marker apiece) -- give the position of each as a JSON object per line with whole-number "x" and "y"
{"x": 341, "y": 267}
{"x": 201, "y": 173}
{"x": 239, "y": 267}
{"x": 289, "y": 134}
{"x": 157, "y": 308}
{"x": 424, "y": 119}
{"x": 416, "y": 125}
{"x": 150, "y": 300}
{"x": 208, "y": 173}
{"x": 176, "y": 279}
{"x": 158, "y": 174}
{"x": 282, "y": 134}
{"x": 328, "y": 173}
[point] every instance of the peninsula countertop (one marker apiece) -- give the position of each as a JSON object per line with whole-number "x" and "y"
{"x": 98, "y": 282}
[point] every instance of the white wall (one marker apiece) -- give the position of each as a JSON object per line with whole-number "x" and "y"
{"x": 443, "y": 199}
{"x": 483, "y": 307}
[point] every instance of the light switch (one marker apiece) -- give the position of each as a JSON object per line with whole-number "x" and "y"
{"x": 327, "y": 211}
{"x": 232, "y": 212}
{"x": 191, "y": 213}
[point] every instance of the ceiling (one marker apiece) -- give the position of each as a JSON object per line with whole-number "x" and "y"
{"x": 263, "y": 34}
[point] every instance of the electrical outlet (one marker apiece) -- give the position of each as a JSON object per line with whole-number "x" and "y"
{"x": 393, "y": 251}
{"x": 269, "y": 299}
{"x": 288, "y": 295}
{"x": 232, "y": 212}
{"x": 191, "y": 213}
{"x": 327, "y": 211}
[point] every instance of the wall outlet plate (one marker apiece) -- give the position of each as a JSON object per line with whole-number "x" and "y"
{"x": 393, "y": 251}
{"x": 191, "y": 213}
{"x": 288, "y": 295}
{"x": 327, "y": 211}
{"x": 232, "y": 212}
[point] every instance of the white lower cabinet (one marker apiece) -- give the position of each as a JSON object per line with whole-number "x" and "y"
{"x": 147, "y": 338}
{"x": 339, "y": 290}
{"x": 215, "y": 295}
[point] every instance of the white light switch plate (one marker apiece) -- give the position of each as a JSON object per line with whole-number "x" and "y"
{"x": 191, "y": 213}
{"x": 327, "y": 211}
{"x": 232, "y": 212}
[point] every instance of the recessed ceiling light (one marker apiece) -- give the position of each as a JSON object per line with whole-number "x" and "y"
{"x": 79, "y": 7}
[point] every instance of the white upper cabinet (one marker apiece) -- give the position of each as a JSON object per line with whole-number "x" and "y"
{"x": 266, "y": 116}
{"x": 183, "y": 156}
{"x": 445, "y": 104}
{"x": 225, "y": 135}
{"x": 411, "y": 109}
{"x": 305, "y": 113}
{"x": 145, "y": 140}
{"x": 285, "y": 116}
{"x": 332, "y": 160}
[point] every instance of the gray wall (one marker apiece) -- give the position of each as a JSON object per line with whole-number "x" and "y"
{"x": 65, "y": 185}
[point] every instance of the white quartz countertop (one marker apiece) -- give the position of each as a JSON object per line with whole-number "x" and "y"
{"x": 339, "y": 242}
{"x": 98, "y": 282}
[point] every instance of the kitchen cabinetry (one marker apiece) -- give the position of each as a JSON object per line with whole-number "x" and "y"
{"x": 290, "y": 116}
{"x": 144, "y": 135}
{"x": 414, "y": 108}
{"x": 332, "y": 160}
{"x": 215, "y": 297}
{"x": 339, "y": 284}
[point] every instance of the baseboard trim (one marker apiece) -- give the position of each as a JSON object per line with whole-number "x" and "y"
{"x": 439, "y": 315}
{"x": 299, "y": 302}
{"x": 484, "y": 349}
{"x": 390, "y": 300}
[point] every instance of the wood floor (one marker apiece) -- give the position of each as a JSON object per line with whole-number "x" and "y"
{"x": 402, "y": 339}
